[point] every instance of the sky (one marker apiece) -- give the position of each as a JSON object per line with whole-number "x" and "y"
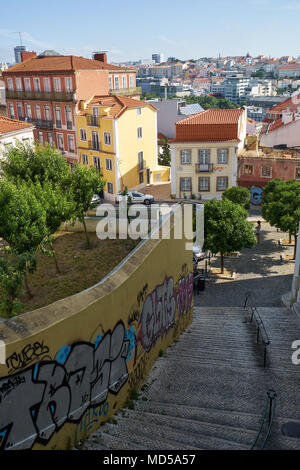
{"x": 133, "y": 30}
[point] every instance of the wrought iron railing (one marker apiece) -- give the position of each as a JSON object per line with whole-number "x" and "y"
{"x": 267, "y": 421}
{"x": 261, "y": 330}
{"x": 41, "y": 95}
{"x": 127, "y": 91}
{"x": 204, "y": 167}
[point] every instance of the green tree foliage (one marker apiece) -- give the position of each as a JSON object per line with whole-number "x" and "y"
{"x": 164, "y": 158}
{"x": 238, "y": 195}
{"x": 281, "y": 206}
{"x": 259, "y": 74}
{"x": 211, "y": 102}
{"x": 83, "y": 184}
{"x": 226, "y": 228}
{"x": 11, "y": 278}
{"x": 35, "y": 164}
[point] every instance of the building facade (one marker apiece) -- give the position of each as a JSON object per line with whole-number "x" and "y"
{"x": 204, "y": 153}
{"x": 117, "y": 135}
{"x": 12, "y": 131}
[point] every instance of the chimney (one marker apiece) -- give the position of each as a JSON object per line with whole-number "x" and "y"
{"x": 25, "y": 55}
{"x": 101, "y": 56}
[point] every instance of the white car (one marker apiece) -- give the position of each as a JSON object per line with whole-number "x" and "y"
{"x": 136, "y": 197}
{"x": 96, "y": 200}
{"x": 198, "y": 253}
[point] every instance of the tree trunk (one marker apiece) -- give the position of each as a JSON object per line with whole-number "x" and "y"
{"x": 222, "y": 263}
{"x": 29, "y": 293}
{"x": 290, "y": 238}
{"x": 86, "y": 234}
{"x": 55, "y": 259}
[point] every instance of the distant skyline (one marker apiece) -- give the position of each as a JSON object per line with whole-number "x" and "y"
{"x": 135, "y": 30}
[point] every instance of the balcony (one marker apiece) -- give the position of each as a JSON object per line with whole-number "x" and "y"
{"x": 94, "y": 145}
{"x": 41, "y": 123}
{"x": 127, "y": 91}
{"x": 40, "y": 95}
{"x": 204, "y": 167}
{"x": 93, "y": 121}
{"x": 69, "y": 125}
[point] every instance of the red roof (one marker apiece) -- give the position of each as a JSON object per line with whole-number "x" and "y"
{"x": 212, "y": 125}
{"x": 60, "y": 64}
{"x": 119, "y": 104}
{"x": 291, "y": 103}
{"x": 10, "y": 125}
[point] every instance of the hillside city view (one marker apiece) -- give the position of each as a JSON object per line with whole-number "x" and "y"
{"x": 149, "y": 221}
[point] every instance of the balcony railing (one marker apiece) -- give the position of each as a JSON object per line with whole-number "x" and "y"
{"x": 93, "y": 121}
{"x": 41, "y": 123}
{"x": 69, "y": 125}
{"x": 127, "y": 91}
{"x": 41, "y": 95}
{"x": 204, "y": 168}
{"x": 94, "y": 145}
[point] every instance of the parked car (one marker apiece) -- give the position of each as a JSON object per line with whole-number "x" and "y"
{"x": 198, "y": 253}
{"x": 136, "y": 197}
{"x": 96, "y": 200}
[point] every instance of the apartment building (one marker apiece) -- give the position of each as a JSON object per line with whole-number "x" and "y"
{"x": 12, "y": 131}
{"x": 118, "y": 136}
{"x": 204, "y": 153}
{"x": 46, "y": 89}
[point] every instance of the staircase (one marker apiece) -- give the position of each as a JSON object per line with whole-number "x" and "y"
{"x": 208, "y": 391}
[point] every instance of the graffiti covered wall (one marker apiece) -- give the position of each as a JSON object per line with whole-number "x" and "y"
{"x": 71, "y": 365}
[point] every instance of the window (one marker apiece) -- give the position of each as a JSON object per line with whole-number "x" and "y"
{"x": 141, "y": 177}
{"x": 204, "y": 184}
{"x": 185, "y": 184}
{"x": 223, "y": 156}
{"x": 57, "y": 84}
{"x": 41, "y": 138}
{"x": 36, "y": 84}
{"x": 110, "y": 188}
{"x": 60, "y": 142}
{"x": 140, "y": 132}
{"x": 185, "y": 157}
{"x": 138, "y": 111}
{"x": 47, "y": 87}
{"x": 11, "y": 111}
{"x": 68, "y": 111}
{"x": 38, "y": 111}
{"x": 107, "y": 138}
{"x": 266, "y": 171}
{"x": 71, "y": 143}
{"x": 204, "y": 157}
{"x": 28, "y": 111}
{"x": 222, "y": 183}
{"x": 27, "y": 84}
{"x": 83, "y": 135}
{"x": 85, "y": 159}
{"x": 58, "y": 117}
{"x": 20, "y": 111}
{"x": 10, "y": 84}
{"x": 248, "y": 169}
{"x": 97, "y": 163}
{"x": 297, "y": 172}
{"x": 141, "y": 160}
{"x": 50, "y": 138}
{"x": 124, "y": 81}
{"x": 19, "y": 84}
{"x": 95, "y": 140}
{"x": 68, "y": 84}
{"x": 108, "y": 162}
{"x": 110, "y": 82}
{"x": 47, "y": 112}
{"x": 131, "y": 81}
{"x": 117, "y": 85}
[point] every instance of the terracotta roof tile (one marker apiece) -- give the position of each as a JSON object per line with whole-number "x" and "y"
{"x": 292, "y": 103}
{"x": 119, "y": 104}
{"x": 10, "y": 125}
{"x": 212, "y": 125}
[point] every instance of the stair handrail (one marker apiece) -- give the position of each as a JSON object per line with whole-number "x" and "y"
{"x": 261, "y": 330}
{"x": 271, "y": 406}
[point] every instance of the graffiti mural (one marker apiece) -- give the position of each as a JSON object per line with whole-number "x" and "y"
{"x": 184, "y": 295}
{"x": 256, "y": 195}
{"x": 35, "y": 403}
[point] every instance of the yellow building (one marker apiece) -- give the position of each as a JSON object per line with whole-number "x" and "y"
{"x": 118, "y": 135}
{"x": 204, "y": 153}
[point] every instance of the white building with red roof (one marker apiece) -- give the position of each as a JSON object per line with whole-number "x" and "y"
{"x": 12, "y": 131}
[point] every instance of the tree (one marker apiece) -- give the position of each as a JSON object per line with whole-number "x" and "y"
{"x": 259, "y": 74}
{"x": 211, "y": 102}
{"x": 281, "y": 206}
{"x": 226, "y": 228}
{"x": 83, "y": 184}
{"x": 238, "y": 195}
{"x": 22, "y": 223}
{"x": 165, "y": 157}
{"x": 25, "y": 163}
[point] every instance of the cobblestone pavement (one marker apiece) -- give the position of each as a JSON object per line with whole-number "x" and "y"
{"x": 259, "y": 270}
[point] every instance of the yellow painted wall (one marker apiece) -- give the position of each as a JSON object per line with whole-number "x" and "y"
{"x": 161, "y": 174}
{"x": 71, "y": 365}
{"x": 130, "y": 145}
{"x": 219, "y": 169}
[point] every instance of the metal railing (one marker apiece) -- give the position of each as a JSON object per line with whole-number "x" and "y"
{"x": 261, "y": 330}
{"x": 41, "y": 95}
{"x": 204, "y": 167}
{"x": 94, "y": 145}
{"x": 268, "y": 418}
{"x": 127, "y": 91}
{"x": 93, "y": 121}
